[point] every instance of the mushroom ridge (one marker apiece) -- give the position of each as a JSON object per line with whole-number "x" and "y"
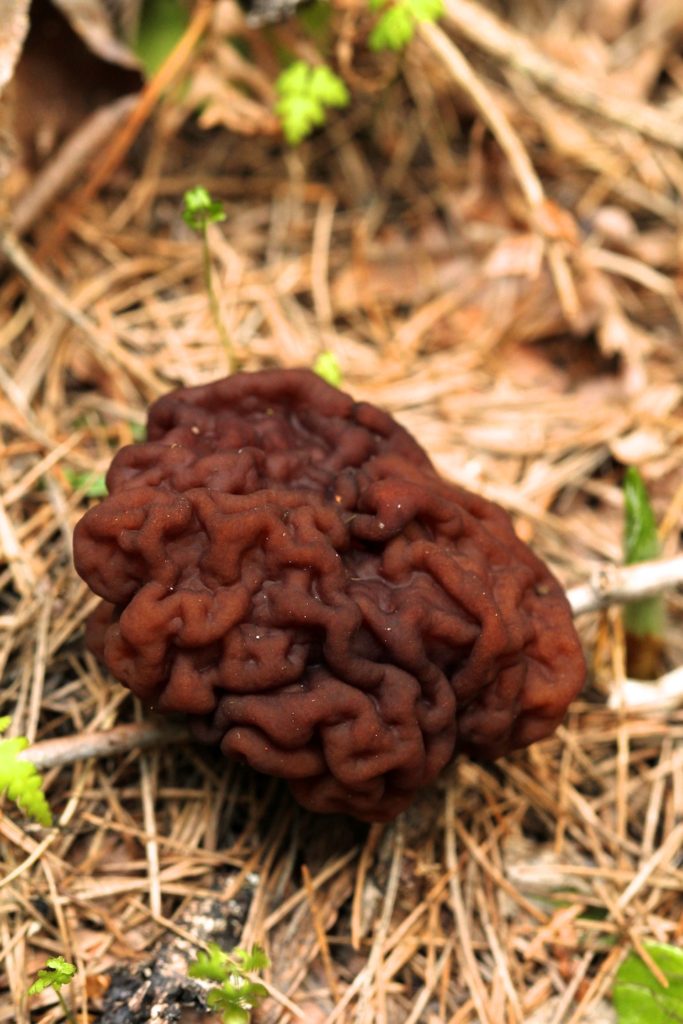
{"x": 284, "y": 566}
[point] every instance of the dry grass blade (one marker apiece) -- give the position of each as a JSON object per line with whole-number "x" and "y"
{"x": 490, "y": 112}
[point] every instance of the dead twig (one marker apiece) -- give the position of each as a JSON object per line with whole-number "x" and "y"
{"x": 63, "y": 750}
{"x": 613, "y": 584}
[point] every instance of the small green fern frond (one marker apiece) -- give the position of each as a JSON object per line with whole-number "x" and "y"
{"x": 20, "y": 779}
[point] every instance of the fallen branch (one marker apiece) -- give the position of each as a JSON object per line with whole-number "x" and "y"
{"x": 609, "y": 585}
{"x": 121, "y": 739}
{"x": 615, "y": 584}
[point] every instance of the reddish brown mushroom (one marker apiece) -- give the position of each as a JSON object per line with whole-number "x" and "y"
{"x": 284, "y": 565}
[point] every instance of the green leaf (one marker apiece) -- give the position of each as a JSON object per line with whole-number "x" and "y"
{"x": 645, "y": 617}
{"x": 294, "y": 79}
{"x": 304, "y": 91}
{"x": 20, "y": 779}
{"x": 93, "y": 483}
{"x": 299, "y": 115}
{"x": 426, "y": 10}
{"x": 236, "y": 994}
{"x": 211, "y": 965}
{"x": 162, "y": 24}
{"x": 138, "y": 431}
{"x": 639, "y": 998}
{"x": 234, "y": 1015}
{"x": 396, "y": 26}
{"x": 255, "y": 959}
{"x": 327, "y": 87}
{"x": 199, "y": 209}
{"x": 327, "y": 366}
{"x": 641, "y": 541}
{"x": 394, "y": 30}
{"x": 55, "y": 974}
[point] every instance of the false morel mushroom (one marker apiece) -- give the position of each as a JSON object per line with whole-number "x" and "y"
{"x": 285, "y": 567}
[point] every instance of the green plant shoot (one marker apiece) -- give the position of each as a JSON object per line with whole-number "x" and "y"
{"x": 641, "y": 542}
{"x": 235, "y": 994}
{"x": 327, "y": 366}
{"x": 304, "y": 92}
{"x": 396, "y": 25}
{"x": 639, "y": 998}
{"x": 56, "y": 973}
{"x": 20, "y": 779}
{"x": 200, "y": 210}
{"x": 93, "y": 483}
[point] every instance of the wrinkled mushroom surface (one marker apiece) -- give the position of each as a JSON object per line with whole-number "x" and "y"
{"x": 284, "y": 565}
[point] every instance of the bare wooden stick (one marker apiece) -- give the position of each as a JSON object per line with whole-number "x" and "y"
{"x": 120, "y": 740}
{"x": 613, "y": 584}
{"x": 609, "y": 585}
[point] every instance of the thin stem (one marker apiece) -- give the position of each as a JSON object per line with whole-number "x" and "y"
{"x": 213, "y": 298}
{"x": 67, "y": 1012}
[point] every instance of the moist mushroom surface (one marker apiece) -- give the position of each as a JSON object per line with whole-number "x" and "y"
{"x": 284, "y": 566}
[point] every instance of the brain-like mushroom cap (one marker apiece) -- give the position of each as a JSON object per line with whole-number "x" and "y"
{"x": 284, "y": 565}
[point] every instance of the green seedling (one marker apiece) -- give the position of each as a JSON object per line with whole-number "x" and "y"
{"x": 643, "y": 619}
{"x": 234, "y": 994}
{"x": 200, "y": 210}
{"x": 304, "y": 93}
{"x": 92, "y": 483}
{"x": 327, "y": 366}
{"x": 396, "y": 25}
{"x": 56, "y": 973}
{"x": 21, "y": 780}
{"x": 640, "y": 998}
